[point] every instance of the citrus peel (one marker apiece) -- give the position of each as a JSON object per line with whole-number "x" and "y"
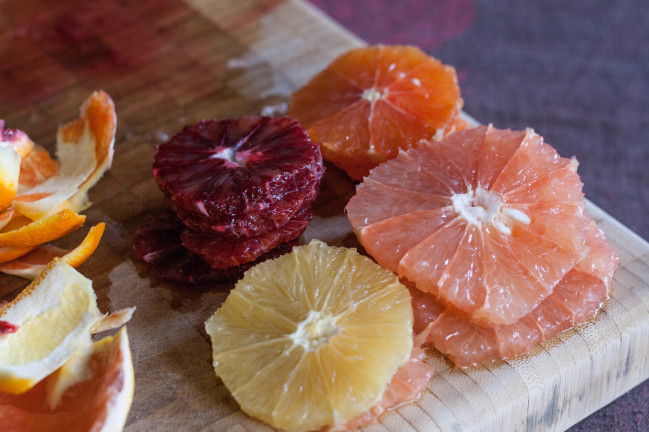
{"x": 34, "y": 261}
{"x": 43, "y": 230}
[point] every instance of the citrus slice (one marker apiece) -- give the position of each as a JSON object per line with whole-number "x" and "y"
{"x": 371, "y": 102}
{"x": 43, "y": 230}
{"x": 99, "y": 403}
{"x": 54, "y": 316}
{"x": 32, "y": 263}
{"x": 84, "y": 149}
{"x": 576, "y": 298}
{"x": 488, "y": 220}
{"x": 312, "y": 338}
{"x": 239, "y": 177}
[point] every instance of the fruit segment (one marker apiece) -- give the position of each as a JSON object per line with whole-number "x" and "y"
{"x": 371, "y": 102}
{"x": 501, "y": 220}
{"x": 312, "y": 338}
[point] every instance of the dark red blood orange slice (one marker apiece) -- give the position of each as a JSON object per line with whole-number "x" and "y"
{"x": 575, "y": 299}
{"x": 239, "y": 177}
{"x": 158, "y": 244}
{"x": 222, "y": 253}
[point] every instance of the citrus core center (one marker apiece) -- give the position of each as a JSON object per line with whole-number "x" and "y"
{"x": 316, "y": 330}
{"x": 482, "y": 206}
{"x": 372, "y": 95}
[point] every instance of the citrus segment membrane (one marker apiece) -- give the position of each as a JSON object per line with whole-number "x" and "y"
{"x": 575, "y": 299}
{"x": 370, "y": 102}
{"x": 312, "y": 338}
{"x": 84, "y": 149}
{"x": 501, "y": 220}
{"x": 54, "y": 316}
{"x": 100, "y": 402}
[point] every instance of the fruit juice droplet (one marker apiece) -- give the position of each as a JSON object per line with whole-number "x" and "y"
{"x": 6, "y": 328}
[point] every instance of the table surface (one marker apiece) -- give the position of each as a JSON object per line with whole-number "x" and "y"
{"x": 572, "y": 76}
{"x": 577, "y": 72}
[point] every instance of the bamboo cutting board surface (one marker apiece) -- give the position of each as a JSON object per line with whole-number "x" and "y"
{"x": 168, "y": 63}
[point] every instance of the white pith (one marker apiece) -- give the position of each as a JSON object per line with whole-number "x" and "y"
{"x": 480, "y": 206}
{"x": 315, "y": 330}
{"x": 229, "y": 154}
{"x": 372, "y": 95}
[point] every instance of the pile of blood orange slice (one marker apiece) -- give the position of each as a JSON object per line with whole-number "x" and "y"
{"x": 241, "y": 191}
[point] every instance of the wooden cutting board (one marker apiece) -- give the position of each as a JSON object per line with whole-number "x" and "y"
{"x": 168, "y": 63}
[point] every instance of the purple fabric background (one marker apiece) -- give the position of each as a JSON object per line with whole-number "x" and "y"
{"x": 576, "y": 71}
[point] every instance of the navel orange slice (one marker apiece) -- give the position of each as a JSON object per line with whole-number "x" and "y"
{"x": 371, "y": 102}
{"x": 312, "y": 338}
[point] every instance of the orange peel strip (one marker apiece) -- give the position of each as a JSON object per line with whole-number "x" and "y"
{"x": 37, "y": 167}
{"x": 43, "y": 230}
{"x": 31, "y": 264}
{"x": 84, "y": 148}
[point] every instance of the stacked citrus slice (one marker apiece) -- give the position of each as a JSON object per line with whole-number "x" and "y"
{"x": 371, "y": 102}
{"x": 241, "y": 188}
{"x": 315, "y": 338}
{"x": 40, "y": 198}
{"x": 489, "y": 224}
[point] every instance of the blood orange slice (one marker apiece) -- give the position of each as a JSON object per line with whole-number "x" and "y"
{"x": 222, "y": 253}
{"x": 575, "y": 299}
{"x": 488, "y": 220}
{"x": 158, "y": 243}
{"x": 239, "y": 177}
{"x": 371, "y": 102}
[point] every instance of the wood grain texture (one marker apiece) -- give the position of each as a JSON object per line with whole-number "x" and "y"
{"x": 168, "y": 63}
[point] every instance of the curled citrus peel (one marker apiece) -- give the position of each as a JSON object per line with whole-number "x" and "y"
{"x": 40, "y": 197}
{"x": 84, "y": 149}
{"x": 33, "y": 262}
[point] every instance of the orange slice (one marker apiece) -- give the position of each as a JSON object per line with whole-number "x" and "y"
{"x": 43, "y": 230}
{"x": 99, "y": 403}
{"x": 32, "y": 263}
{"x": 487, "y": 220}
{"x": 84, "y": 149}
{"x": 371, "y": 102}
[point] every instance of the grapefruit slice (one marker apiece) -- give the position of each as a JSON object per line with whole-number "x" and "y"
{"x": 488, "y": 220}
{"x": 99, "y": 403}
{"x": 84, "y": 149}
{"x": 239, "y": 177}
{"x": 575, "y": 299}
{"x": 330, "y": 329}
{"x": 31, "y": 264}
{"x": 371, "y": 102}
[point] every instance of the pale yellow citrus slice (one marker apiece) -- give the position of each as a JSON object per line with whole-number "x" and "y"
{"x": 312, "y": 338}
{"x": 53, "y": 316}
{"x": 84, "y": 150}
{"x": 35, "y": 261}
{"x": 43, "y": 230}
{"x": 98, "y": 403}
